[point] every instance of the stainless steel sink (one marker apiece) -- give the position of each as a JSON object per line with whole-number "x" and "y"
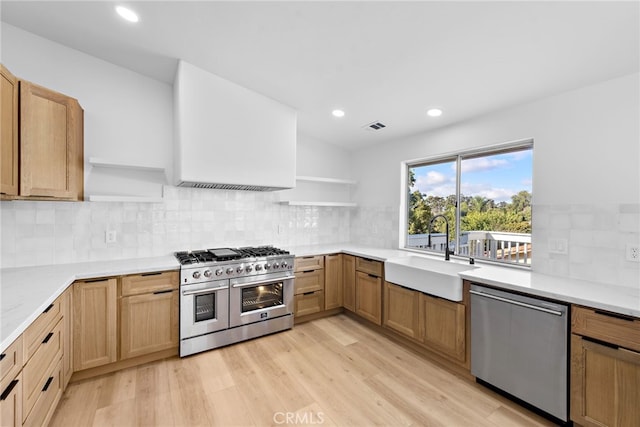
{"x": 431, "y": 276}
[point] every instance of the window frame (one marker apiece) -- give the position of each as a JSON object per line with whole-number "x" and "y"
{"x": 457, "y": 157}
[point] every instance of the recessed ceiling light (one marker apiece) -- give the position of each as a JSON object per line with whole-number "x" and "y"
{"x": 338, "y": 113}
{"x": 434, "y": 112}
{"x": 127, "y": 14}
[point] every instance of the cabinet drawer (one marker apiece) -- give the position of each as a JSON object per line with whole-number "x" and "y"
{"x": 609, "y": 327}
{"x": 369, "y": 266}
{"x": 38, "y": 330}
{"x": 48, "y": 395}
{"x": 11, "y": 403}
{"x": 309, "y": 303}
{"x": 35, "y": 371}
{"x": 11, "y": 361}
{"x": 309, "y": 281}
{"x": 147, "y": 283}
{"x": 309, "y": 263}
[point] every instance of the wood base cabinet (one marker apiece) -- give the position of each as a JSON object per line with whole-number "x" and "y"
{"x": 349, "y": 282}
{"x": 605, "y": 368}
{"x": 309, "y": 286}
{"x": 11, "y": 403}
{"x": 369, "y": 297}
{"x": 333, "y": 293}
{"x": 444, "y": 326}
{"x": 94, "y": 323}
{"x": 401, "y": 310}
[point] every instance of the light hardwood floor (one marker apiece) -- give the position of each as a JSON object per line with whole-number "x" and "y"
{"x": 331, "y": 372}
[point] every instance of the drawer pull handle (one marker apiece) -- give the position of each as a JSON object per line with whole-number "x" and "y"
{"x": 309, "y": 293}
{"x": 47, "y": 338}
{"x": 47, "y": 384}
{"x": 163, "y": 292}
{"x": 46, "y": 310}
{"x": 603, "y": 343}
{"x": 308, "y": 271}
{"x": 8, "y": 390}
{"x": 96, "y": 280}
{"x": 615, "y": 315}
{"x": 308, "y": 257}
{"x": 3, "y": 355}
{"x": 152, "y": 274}
{"x": 372, "y": 275}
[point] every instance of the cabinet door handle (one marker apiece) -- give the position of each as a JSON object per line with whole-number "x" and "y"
{"x": 603, "y": 343}
{"x": 308, "y": 271}
{"x": 163, "y": 292}
{"x": 47, "y": 384}
{"x": 8, "y": 390}
{"x": 3, "y": 355}
{"x": 152, "y": 274}
{"x": 615, "y": 315}
{"x": 48, "y": 308}
{"x": 309, "y": 293}
{"x": 372, "y": 275}
{"x": 47, "y": 338}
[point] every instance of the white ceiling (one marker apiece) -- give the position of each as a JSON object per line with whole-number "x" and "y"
{"x": 385, "y": 61}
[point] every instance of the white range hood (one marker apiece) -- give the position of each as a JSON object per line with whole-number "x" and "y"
{"x": 229, "y": 137}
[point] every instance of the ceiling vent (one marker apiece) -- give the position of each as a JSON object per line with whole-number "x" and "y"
{"x": 375, "y": 126}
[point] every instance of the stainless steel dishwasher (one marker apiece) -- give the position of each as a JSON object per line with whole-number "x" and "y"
{"x": 519, "y": 345}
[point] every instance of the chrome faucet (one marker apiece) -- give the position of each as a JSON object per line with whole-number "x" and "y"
{"x": 446, "y": 248}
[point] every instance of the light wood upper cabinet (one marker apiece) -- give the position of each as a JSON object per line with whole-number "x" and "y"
{"x": 9, "y": 133}
{"x": 94, "y": 323}
{"x": 443, "y": 324}
{"x": 401, "y": 310}
{"x": 349, "y": 282}
{"x": 605, "y": 368}
{"x": 51, "y": 160}
{"x": 333, "y": 281}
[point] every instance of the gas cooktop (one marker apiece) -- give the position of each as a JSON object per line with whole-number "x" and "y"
{"x": 227, "y": 254}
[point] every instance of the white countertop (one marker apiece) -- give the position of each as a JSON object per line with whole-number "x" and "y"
{"x": 26, "y": 292}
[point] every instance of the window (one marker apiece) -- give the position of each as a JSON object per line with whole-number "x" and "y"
{"x": 483, "y": 196}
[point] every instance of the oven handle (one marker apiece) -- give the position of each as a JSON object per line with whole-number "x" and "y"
{"x": 205, "y": 291}
{"x": 262, "y": 282}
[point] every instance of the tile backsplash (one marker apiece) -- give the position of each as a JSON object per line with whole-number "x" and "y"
{"x": 39, "y": 233}
{"x": 597, "y": 237}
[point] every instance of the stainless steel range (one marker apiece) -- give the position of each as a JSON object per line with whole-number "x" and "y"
{"x": 230, "y": 295}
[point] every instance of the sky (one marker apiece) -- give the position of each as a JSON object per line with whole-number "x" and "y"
{"x": 496, "y": 177}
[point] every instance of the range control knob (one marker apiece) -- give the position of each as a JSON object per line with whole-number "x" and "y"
{"x": 248, "y": 268}
{"x": 196, "y": 274}
{"x": 267, "y": 266}
{"x": 284, "y": 264}
{"x": 229, "y": 270}
{"x": 239, "y": 269}
{"x": 275, "y": 265}
{"x": 258, "y": 267}
{"x": 219, "y": 272}
{"x": 207, "y": 273}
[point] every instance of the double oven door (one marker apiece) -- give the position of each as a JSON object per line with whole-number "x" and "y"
{"x": 204, "y": 308}
{"x": 257, "y": 298}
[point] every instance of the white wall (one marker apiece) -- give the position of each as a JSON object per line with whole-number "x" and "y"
{"x": 586, "y": 176}
{"x": 127, "y": 116}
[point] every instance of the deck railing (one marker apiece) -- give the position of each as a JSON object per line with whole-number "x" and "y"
{"x": 509, "y": 248}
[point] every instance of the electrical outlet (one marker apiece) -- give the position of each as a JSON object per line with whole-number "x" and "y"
{"x": 633, "y": 253}
{"x": 558, "y": 245}
{"x": 110, "y": 236}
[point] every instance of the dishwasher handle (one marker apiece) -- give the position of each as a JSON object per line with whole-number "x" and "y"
{"x": 519, "y": 303}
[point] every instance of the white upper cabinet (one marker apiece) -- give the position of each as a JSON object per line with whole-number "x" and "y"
{"x": 230, "y": 137}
